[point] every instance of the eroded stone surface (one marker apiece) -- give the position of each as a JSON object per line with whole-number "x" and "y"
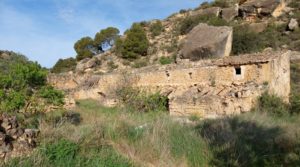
{"x": 206, "y": 42}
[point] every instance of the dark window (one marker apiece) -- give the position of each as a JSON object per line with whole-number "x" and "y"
{"x": 238, "y": 71}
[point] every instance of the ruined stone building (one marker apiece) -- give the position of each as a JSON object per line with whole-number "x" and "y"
{"x": 207, "y": 88}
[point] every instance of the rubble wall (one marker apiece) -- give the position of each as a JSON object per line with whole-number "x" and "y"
{"x": 207, "y": 88}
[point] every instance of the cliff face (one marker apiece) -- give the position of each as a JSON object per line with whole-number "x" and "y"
{"x": 208, "y": 88}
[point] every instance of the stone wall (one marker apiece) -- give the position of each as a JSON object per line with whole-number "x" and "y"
{"x": 208, "y": 88}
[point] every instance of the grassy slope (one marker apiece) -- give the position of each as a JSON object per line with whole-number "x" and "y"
{"x": 115, "y": 137}
{"x": 112, "y": 137}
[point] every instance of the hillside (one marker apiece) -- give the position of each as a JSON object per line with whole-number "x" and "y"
{"x": 218, "y": 85}
{"x": 253, "y": 30}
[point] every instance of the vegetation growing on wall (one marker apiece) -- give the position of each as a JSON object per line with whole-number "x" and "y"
{"x": 142, "y": 101}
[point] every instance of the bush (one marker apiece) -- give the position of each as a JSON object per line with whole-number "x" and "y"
{"x": 245, "y": 41}
{"x": 52, "y": 95}
{"x": 61, "y": 153}
{"x": 64, "y": 65}
{"x": 20, "y": 85}
{"x": 141, "y": 101}
{"x": 156, "y": 28}
{"x": 83, "y": 48}
{"x": 192, "y": 21}
{"x": 9, "y": 57}
{"x": 135, "y": 44}
{"x": 272, "y": 104}
{"x": 166, "y": 60}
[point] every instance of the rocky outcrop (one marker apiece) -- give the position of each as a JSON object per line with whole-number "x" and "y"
{"x": 257, "y": 8}
{"x": 206, "y": 42}
{"x": 14, "y": 140}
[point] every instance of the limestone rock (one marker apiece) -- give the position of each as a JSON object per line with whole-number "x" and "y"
{"x": 258, "y": 7}
{"x": 293, "y": 25}
{"x": 207, "y": 41}
{"x": 229, "y": 14}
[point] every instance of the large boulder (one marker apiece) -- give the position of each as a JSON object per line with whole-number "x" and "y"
{"x": 206, "y": 41}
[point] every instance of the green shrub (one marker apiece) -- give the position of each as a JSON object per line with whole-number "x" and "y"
{"x": 20, "y": 85}
{"x": 246, "y": 41}
{"x": 9, "y": 57}
{"x": 272, "y": 104}
{"x": 141, "y": 101}
{"x": 52, "y": 95}
{"x": 61, "y": 153}
{"x": 156, "y": 28}
{"x": 64, "y": 65}
{"x": 192, "y": 21}
{"x": 12, "y": 101}
{"x": 165, "y": 60}
{"x": 135, "y": 44}
{"x": 82, "y": 48}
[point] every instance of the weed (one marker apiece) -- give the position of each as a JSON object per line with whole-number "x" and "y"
{"x": 165, "y": 60}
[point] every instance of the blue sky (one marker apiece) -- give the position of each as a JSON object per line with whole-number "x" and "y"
{"x": 46, "y": 30}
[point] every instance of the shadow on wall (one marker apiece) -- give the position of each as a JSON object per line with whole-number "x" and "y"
{"x": 236, "y": 142}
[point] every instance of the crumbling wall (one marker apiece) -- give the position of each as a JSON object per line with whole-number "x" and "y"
{"x": 209, "y": 88}
{"x": 280, "y": 76}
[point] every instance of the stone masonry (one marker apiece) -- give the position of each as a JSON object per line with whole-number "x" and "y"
{"x": 207, "y": 88}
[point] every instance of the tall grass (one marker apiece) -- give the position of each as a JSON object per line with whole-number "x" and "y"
{"x": 116, "y": 137}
